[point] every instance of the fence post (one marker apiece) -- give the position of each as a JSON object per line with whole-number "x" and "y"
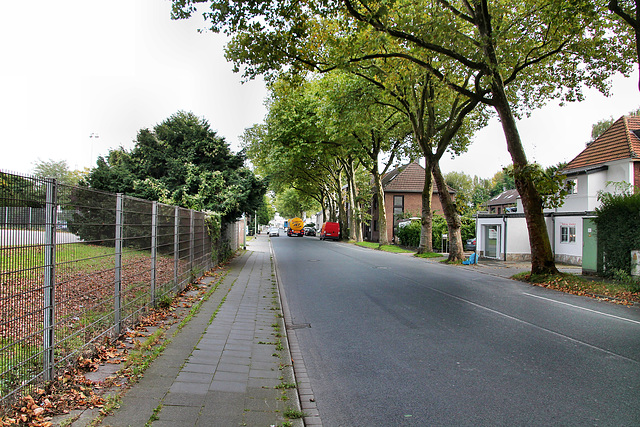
{"x": 176, "y": 245}
{"x": 154, "y": 250}
{"x": 49, "y": 280}
{"x": 205, "y": 254}
{"x": 192, "y": 244}
{"x": 118, "y": 266}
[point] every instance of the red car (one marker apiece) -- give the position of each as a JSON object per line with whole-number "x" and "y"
{"x": 330, "y": 230}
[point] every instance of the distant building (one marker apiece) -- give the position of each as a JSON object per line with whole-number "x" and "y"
{"x": 402, "y": 197}
{"x": 503, "y": 202}
{"x": 613, "y": 157}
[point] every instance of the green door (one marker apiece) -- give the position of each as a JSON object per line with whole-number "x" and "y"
{"x": 591, "y": 260}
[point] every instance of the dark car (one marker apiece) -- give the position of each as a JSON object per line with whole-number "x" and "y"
{"x": 309, "y": 231}
{"x": 470, "y": 245}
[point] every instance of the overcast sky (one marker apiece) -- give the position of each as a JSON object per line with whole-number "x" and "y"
{"x": 110, "y": 68}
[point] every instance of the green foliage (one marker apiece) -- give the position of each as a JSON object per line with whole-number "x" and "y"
{"x": 602, "y": 125}
{"x": 409, "y": 235}
{"x": 59, "y": 170}
{"x": 468, "y": 229}
{"x": 266, "y": 211}
{"x": 19, "y": 191}
{"x": 618, "y": 231}
{"x": 293, "y": 203}
{"x": 599, "y": 127}
{"x": 181, "y": 162}
{"x": 551, "y": 185}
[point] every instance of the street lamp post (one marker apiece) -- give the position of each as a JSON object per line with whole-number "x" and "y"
{"x": 92, "y": 136}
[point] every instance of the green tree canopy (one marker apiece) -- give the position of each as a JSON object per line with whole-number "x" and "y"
{"x": 182, "y": 162}
{"x": 59, "y": 170}
{"x": 512, "y": 56}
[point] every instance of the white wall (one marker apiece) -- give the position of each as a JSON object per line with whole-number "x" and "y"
{"x": 568, "y": 252}
{"x": 517, "y": 238}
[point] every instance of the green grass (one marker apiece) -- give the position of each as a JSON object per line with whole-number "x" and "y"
{"x": 621, "y": 292}
{"x": 371, "y": 245}
{"x": 395, "y": 249}
{"x": 386, "y": 248}
{"x": 294, "y": 414}
{"x": 429, "y": 255}
{"x": 72, "y": 258}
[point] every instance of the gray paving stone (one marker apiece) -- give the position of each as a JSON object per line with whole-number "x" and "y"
{"x": 263, "y": 373}
{"x": 233, "y": 368}
{"x": 235, "y": 360}
{"x": 230, "y": 376}
{"x": 214, "y": 373}
{"x": 195, "y": 377}
{"x": 189, "y": 388}
{"x": 198, "y": 368}
{"x": 179, "y": 415}
{"x": 229, "y": 386}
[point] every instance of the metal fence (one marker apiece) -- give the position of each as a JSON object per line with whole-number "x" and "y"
{"x": 78, "y": 266}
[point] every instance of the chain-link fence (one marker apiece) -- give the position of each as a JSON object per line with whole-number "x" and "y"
{"x": 79, "y": 265}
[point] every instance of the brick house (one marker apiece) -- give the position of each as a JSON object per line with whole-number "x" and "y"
{"x": 613, "y": 157}
{"x": 402, "y": 197}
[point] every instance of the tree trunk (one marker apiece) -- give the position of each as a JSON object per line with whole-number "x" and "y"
{"x": 426, "y": 232}
{"x": 542, "y": 258}
{"x": 383, "y": 238}
{"x": 454, "y": 224}
{"x": 342, "y": 213}
{"x": 353, "y": 209}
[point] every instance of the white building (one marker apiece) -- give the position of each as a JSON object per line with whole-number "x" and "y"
{"x": 613, "y": 157}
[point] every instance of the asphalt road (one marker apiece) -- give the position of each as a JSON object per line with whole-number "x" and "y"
{"x": 392, "y": 340}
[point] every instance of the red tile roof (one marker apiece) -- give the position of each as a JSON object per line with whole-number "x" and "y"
{"x": 407, "y": 179}
{"x": 621, "y": 141}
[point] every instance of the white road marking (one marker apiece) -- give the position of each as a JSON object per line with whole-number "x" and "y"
{"x": 585, "y": 309}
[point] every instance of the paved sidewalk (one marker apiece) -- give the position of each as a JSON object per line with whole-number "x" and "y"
{"x": 230, "y": 365}
{"x": 507, "y": 269}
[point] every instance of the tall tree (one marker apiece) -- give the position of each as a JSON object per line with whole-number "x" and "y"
{"x": 368, "y": 128}
{"x": 521, "y": 55}
{"x": 183, "y": 162}
{"x": 59, "y": 170}
{"x": 441, "y": 120}
{"x": 629, "y": 11}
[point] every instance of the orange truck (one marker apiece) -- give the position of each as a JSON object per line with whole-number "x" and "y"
{"x": 296, "y": 227}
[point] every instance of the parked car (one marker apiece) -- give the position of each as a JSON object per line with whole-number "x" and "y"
{"x": 330, "y": 230}
{"x": 470, "y": 245}
{"x": 274, "y": 232}
{"x": 309, "y": 231}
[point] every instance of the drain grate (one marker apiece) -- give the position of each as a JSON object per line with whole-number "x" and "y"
{"x": 299, "y": 326}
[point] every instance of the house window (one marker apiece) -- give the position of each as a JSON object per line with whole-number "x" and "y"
{"x": 572, "y": 186}
{"x": 567, "y": 234}
{"x": 398, "y": 205}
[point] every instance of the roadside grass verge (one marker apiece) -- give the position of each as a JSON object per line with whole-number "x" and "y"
{"x": 618, "y": 292}
{"x": 385, "y": 248}
{"x": 429, "y": 255}
{"x": 371, "y": 245}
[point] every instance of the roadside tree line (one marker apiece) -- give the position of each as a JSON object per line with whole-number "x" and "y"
{"x": 438, "y": 66}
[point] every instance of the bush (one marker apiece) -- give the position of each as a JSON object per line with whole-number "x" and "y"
{"x": 409, "y": 235}
{"x": 618, "y": 231}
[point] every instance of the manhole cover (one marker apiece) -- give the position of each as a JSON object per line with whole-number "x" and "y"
{"x": 314, "y": 260}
